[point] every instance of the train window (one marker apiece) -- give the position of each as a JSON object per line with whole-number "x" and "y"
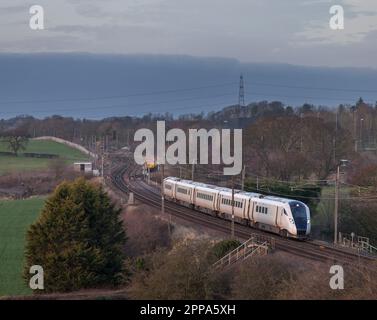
{"x": 181, "y": 190}
{"x": 285, "y": 212}
{"x": 167, "y": 186}
{"x": 205, "y": 196}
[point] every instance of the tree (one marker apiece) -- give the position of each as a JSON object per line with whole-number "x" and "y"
{"x": 359, "y": 216}
{"x": 78, "y": 239}
{"x": 16, "y": 141}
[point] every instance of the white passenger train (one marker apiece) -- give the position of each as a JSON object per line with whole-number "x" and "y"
{"x": 287, "y": 217}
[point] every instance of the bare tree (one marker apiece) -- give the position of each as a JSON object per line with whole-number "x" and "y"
{"x": 16, "y": 141}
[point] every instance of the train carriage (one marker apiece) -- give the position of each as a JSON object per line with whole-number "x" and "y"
{"x": 205, "y": 197}
{"x": 184, "y": 191}
{"x": 265, "y": 214}
{"x": 287, "y": 217}
{"x": 169, "y": 187}
{"x": 241, "y": 204}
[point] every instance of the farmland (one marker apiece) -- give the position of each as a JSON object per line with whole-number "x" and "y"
{"x": 15, "y": 217}
{"x": 19, "y": 164}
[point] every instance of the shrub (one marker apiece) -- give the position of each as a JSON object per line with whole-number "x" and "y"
{"x": 78, "y": 240}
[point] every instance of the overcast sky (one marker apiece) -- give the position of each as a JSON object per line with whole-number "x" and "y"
{"x": 289, "y": 31}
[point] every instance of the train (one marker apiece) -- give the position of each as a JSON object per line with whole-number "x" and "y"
{"x": 286, "y": 217}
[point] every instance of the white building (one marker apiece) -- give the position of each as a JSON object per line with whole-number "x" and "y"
{"x": 84, "y": 167}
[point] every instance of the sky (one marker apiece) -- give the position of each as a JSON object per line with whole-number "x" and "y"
{"x": 290, "y": 31}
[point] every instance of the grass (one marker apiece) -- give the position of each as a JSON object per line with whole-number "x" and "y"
{"x": 20, "y": 163}
{"x": 15, "y": 218}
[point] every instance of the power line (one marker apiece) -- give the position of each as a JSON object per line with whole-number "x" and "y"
{"x": 128, "y": 106}
{"x": 311, "y": 88}
{"x": 294, "y": 96}
{"x": 264, "y": 190}
{"x": 242, "y": 86}
{"x": 51, "y": 111}
{"x": 118, "y": 96}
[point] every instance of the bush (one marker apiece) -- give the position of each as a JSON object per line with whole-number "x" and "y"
{"x": 78, "y": 239}
{"x": 146, "y": 233}
{"x": 221, "y": 248}
{"x": 180, "y": 274}
{"x": 261, "y": 278}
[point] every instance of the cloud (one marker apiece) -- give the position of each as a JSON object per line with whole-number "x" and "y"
{"x": 14, "y": 9}
{"x": 294, "y": 31}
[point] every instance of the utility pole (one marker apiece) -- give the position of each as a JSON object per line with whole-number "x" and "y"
{"x": 232, "y": 227}
{"x": 336, "y": 133}
{"x": 102, "y": 157}
{"x": 243, "y": 178}
{"x": 355, "y": 131}
{"x": 241, "y": 94}
{"x": 163, "y": 198}
{"x": 102, "y": 165}
{"x": 336, "y": 205}
{"x": 361, "y": 134}
{"x": 257, "y": 183}
{"x": 192, "y": 171}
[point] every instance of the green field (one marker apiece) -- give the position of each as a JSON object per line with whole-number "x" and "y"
{"x": 15, "y": 218}
{"x": 20, "y": 163}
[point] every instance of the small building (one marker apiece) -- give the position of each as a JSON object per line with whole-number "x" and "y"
{"x": 84, "y": 167}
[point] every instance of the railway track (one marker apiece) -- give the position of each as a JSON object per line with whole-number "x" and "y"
{"x": 125, "y": 179}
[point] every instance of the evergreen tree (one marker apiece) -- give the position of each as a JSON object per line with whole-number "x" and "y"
{"x": 78, "y": 240}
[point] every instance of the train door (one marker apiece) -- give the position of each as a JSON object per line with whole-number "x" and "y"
{"x": 280, "y": 213}
{"x": 244, "y": 208}
{"x": 218, "y": 202}
{"x": 251, "y": 210}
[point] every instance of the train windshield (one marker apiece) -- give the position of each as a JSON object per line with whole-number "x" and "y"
{"x": 299, "y": 214}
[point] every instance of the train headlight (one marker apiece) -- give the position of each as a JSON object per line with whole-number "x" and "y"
{"x": 308, "y": 221}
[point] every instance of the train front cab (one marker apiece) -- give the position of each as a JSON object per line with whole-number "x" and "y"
{"x": 301, "y": 217}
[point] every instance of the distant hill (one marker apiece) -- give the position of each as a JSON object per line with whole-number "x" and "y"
{"x": 46, "y": 84}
